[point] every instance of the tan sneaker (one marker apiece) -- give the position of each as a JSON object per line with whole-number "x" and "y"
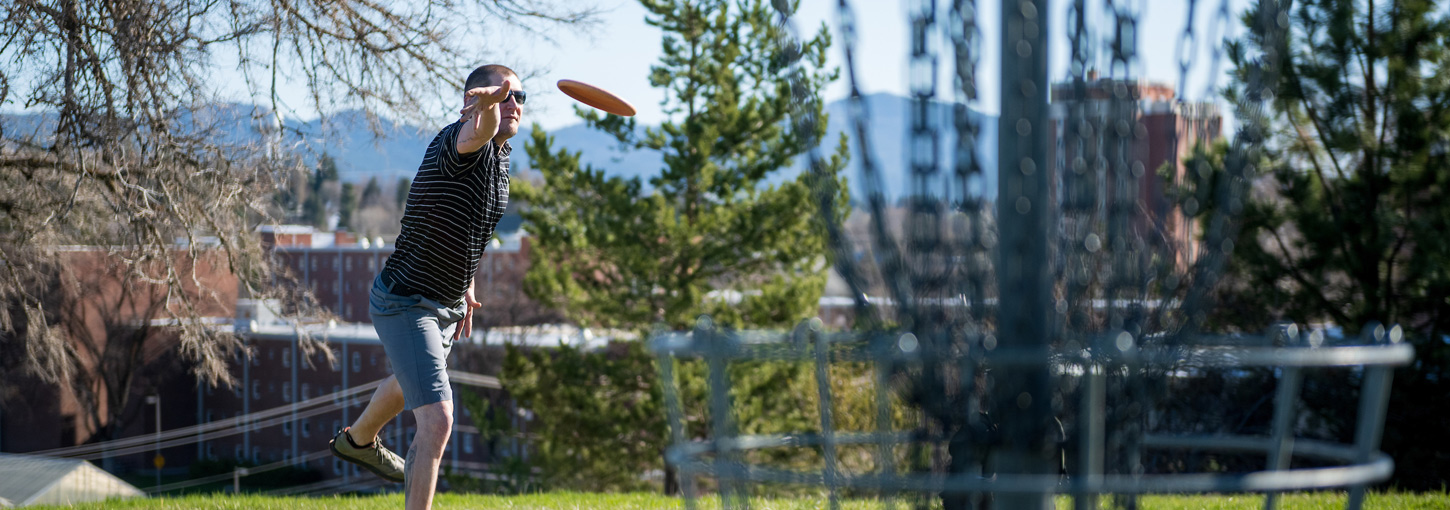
{"x": 375, "y": 458}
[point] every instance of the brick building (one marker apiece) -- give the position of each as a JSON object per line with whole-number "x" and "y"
{"x": 339, "y": 268}
{"x": 36, "y": 416}
{"x": 1165, "y": 132}
{"x": 278, "y": 376}
{"x": 119, "y": 345}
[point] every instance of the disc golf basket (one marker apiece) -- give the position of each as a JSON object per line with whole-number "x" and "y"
{"x": 1034, "y": 332}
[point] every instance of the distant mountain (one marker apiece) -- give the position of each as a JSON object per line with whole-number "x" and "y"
{"x": 360, "y": 155}
{"x": 889, "y": 119}
{"x": 889, "y": 116}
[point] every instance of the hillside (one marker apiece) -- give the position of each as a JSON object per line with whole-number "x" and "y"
{"x": 360, "y": 155}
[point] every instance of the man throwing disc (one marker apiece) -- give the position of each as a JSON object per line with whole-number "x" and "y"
{"x": 422, "y": 300}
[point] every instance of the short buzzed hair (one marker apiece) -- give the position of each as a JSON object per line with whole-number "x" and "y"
{"x": 486, "y": 75}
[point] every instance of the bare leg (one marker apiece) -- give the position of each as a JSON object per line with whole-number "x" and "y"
{"x": 435, "y": 423}
{"x": 386, "y": 403}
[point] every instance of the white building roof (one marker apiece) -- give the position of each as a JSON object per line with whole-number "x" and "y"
{"x": 544, "y": 335}
{"x": 35, "y": 480}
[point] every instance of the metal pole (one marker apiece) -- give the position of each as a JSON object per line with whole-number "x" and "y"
{"x": 1090, "y": 436}
{"x": 200, "y": 419}
{"x": 246, "y": 405}
{"x": 346, "y": 401}
{"x": 1374, "y": 400}
{"x": 237, "y": 475}
{"x": 295, "y": 362}
{"x": 156, "y": 399}
{"x": 1026, "y": 316}
{"x": 1282, "y": 450}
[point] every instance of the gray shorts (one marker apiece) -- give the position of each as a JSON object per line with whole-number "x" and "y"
{"x": 417, "y": 334}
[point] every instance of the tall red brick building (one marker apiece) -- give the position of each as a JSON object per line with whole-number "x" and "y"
{"x": 1164, "y": 132}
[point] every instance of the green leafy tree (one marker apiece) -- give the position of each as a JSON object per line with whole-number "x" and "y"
{"x": 598, "y": 421}
{"x": 717, "y": 231}
{"x": 1347, "y": 223}
{"x": 710, "y": 233}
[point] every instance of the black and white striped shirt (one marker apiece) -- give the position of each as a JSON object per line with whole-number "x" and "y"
{"x": 453, "y": 207}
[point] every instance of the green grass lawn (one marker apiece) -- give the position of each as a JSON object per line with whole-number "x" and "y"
{"x": 578, "y": 501}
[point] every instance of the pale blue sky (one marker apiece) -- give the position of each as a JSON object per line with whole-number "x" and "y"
{"x": 619, "y": 55}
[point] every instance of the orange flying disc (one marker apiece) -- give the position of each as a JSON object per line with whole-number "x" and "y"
{"x": 597, "y": 97}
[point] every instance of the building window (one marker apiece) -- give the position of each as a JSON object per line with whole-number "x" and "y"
{"x": 349, "y": 264}
{"x": 348, "y": 308}
{"x": 373, "y": 360}
{"x": 314, "y": 264}
{"x": 286, "y": 454}
{"x": 336, "y": 265}
{"x": 372, "y": 264}
{"x": 287, "y": 359}
{"x": 287, "y": 428}
{"x": 307, "y": 427}
{"x": 468, "y": 443}
{"x": 287, "y": 392}
{"x": 356, "y": 362}
{"x": 336, "y": 394}
{"x": 208, "y": 416}
{"x": 256, "y": 390}
{"x": 237, "y": 453}
{"x": 306, "y": 391}
{"x": 256, "y": 453}
{"x": 210, "y": 451}
{"x": 336, "y": 425}
{"x": 336, "y": 466}
{"x": 334, "y": 287}
{"x": 347, "y": 286}
{"x": 239, "y": 390}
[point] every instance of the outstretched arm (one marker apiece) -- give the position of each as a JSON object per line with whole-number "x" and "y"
{"x": 480, "y": 116}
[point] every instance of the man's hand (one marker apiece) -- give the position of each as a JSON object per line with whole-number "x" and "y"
{"x": 481, "y": 116}
{"x": 466, "y": 328}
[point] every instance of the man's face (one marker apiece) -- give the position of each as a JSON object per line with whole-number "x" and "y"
{"x": 511, "y": 113}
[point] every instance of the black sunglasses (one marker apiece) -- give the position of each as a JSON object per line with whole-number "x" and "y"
{"x": 518, "y": 95}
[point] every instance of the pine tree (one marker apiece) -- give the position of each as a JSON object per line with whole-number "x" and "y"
{"x": 405, "y": 185}
{"x": 372, "y": 193}
{"x": 314, "y": 207}
{"x": 1347, "y": 225}
{"x": 716, "y": 231}
{"x": 346, "y": 206}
